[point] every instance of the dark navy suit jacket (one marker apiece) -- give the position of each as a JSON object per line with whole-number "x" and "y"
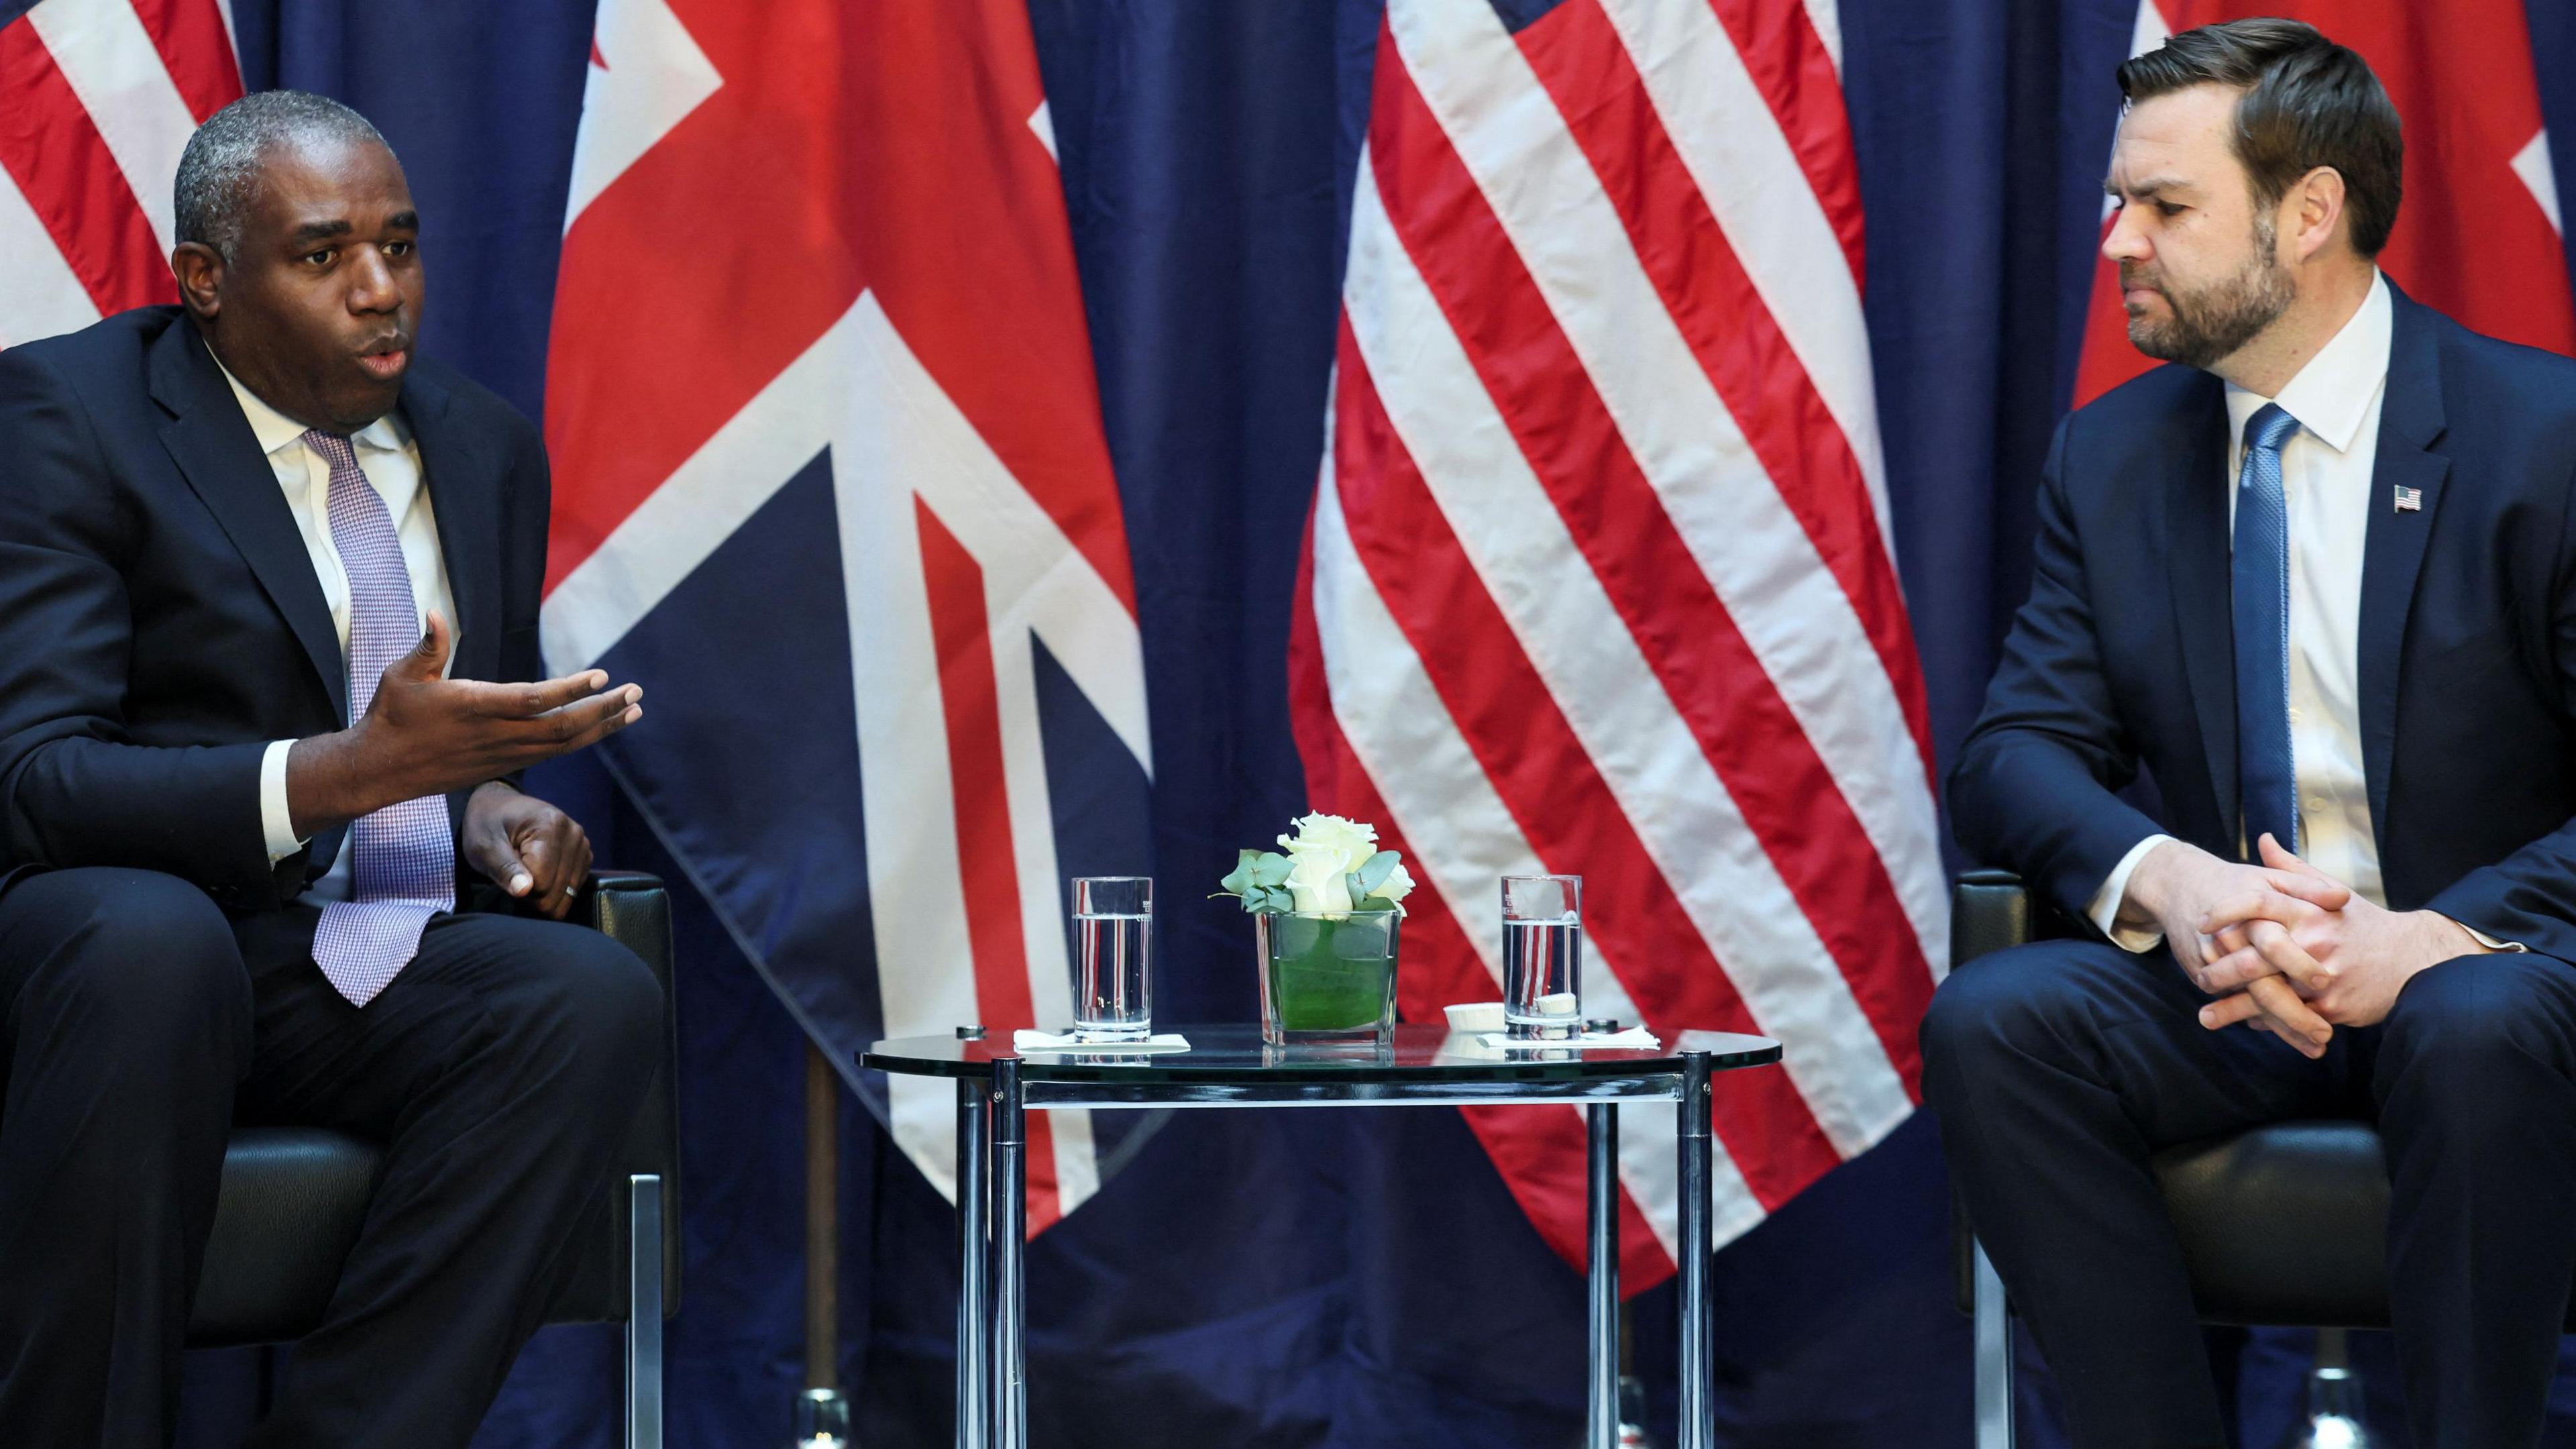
{"x": 160, "y": 621}
{"x": 2124, "y": 655}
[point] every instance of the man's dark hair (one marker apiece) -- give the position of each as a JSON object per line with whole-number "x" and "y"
{"x": 221, "y": 163}
{"x": 2307, "y": 102}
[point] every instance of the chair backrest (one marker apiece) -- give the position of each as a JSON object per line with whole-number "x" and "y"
{"x": 2230, "y": 1199}
{"x": 286, "y": 1216}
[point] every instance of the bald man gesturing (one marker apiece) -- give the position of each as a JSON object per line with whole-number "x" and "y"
{"x": 268, "y": 671}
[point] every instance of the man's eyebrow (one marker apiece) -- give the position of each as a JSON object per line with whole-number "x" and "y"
{"x": 403, "y": 221}
{"x": 2152, "y": 186}
{"x": 313, "y": 231}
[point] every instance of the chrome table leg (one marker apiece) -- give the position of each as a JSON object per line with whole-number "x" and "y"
{"x": 974, "y": 1290}
{"x": 1699, "y": 1411}
{"x": 1601, "y": 1406}
{"x": 1010, "y": 1243}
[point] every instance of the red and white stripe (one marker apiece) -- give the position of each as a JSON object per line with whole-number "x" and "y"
{"x": 850, "y": 216}
{"x": 1599, "y": 577}
{"x": 101, "y": 97}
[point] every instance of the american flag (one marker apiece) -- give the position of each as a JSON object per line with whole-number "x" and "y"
{"x": 1599, "y": 578}
{"x": 819, "y": 381}
{"x": 97, "y": 99}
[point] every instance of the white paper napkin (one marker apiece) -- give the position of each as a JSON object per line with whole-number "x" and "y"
{"x": 1072, "y": 1041}
{"x": 1635, "y": 1038}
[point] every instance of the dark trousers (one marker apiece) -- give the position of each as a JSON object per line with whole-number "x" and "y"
{"x": 137, "y": 1024}
{"x": 2057, "y": 1069}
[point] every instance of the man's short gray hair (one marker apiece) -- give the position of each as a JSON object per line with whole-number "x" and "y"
{"x": 217, "y": 171}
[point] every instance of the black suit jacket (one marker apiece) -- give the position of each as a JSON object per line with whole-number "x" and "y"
{"x": 160, "y": 621}
{"x": 2124, "y": 655}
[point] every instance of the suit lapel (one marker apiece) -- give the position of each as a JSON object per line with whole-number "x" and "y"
{"x": 2196, "y": 544}
{"x": 458, "y": 469}
{"x": 216, "y": 452}
{"x": 2410, "y": 424}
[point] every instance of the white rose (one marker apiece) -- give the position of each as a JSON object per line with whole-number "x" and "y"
{"x": 1397, "y": 885}
{"x": 1316, "y": 880}
{"x": 1352, "y": 841}
{"x": 1324, "y": 850}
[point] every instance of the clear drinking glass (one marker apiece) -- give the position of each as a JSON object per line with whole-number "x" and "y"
{"x": 1543, "y": 956}
{"x": 1113, "y": 956}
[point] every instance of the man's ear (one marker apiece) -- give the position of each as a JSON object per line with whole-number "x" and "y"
{"x": 199, "y": 269}
{"x": 2317, "y": 211}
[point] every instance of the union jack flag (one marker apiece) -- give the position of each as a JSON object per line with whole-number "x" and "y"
{"x": 833, "y": 485}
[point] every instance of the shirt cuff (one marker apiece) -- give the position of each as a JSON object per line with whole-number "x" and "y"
{"x": 275, "y": 820}
{"x": 2490, "y": 942}
{"x": 2104, "y": 910}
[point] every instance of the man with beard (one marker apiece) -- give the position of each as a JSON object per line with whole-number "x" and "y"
{"x": 261, "y": 568}
{"x": 2318, "y": 580}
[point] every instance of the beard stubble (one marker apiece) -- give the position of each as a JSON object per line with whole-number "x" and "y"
{"x": 2216, "y": 320}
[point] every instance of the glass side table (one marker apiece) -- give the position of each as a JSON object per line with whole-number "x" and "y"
{"x": 1228, "y": 1066}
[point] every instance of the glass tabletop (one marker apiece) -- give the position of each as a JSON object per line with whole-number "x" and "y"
{"x": 1235, "y": 1053}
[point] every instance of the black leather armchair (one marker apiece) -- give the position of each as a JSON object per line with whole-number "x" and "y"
{"x": 293, "y": 1198}
{"x": 2329, "y": 1177}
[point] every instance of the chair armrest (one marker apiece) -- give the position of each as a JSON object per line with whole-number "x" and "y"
{"x": 1989, "y": 911}
{"x": 634, "y": 910}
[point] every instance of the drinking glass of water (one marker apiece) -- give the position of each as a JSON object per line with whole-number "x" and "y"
{"x": 1113, "y": 951}
{"x": 1543, "y": 956}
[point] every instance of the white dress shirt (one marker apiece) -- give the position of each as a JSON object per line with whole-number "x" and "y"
{"x": 2326, "y": 473}
{"x": 391, "y": 461}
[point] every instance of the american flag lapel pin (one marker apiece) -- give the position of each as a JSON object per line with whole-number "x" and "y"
{"x": 2409, "y": 500}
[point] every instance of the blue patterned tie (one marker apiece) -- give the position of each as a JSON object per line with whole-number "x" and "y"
{"x": 403, "y": 860}
{"x": 2267, "y": 784}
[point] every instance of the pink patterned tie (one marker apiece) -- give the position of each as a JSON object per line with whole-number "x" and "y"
{"x": 403, "y": 865}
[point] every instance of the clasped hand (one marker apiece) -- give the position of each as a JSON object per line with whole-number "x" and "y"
{"x": 2285, "y": 947}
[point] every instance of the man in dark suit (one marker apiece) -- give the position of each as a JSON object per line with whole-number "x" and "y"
{"x": 2319, "y": 581}
{"x": 265, "y": 581}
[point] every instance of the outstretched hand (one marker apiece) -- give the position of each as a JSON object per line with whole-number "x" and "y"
{"x": 425, "y": 734}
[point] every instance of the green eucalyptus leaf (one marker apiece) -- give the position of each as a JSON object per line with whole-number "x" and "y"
{"x": 1241, "y": 875}
{"x": 1270, "y": 868}
{"x": 1374, "y": 874}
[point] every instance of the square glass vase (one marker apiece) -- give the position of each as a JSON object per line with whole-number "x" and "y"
{"x": 1327, "y": 979}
